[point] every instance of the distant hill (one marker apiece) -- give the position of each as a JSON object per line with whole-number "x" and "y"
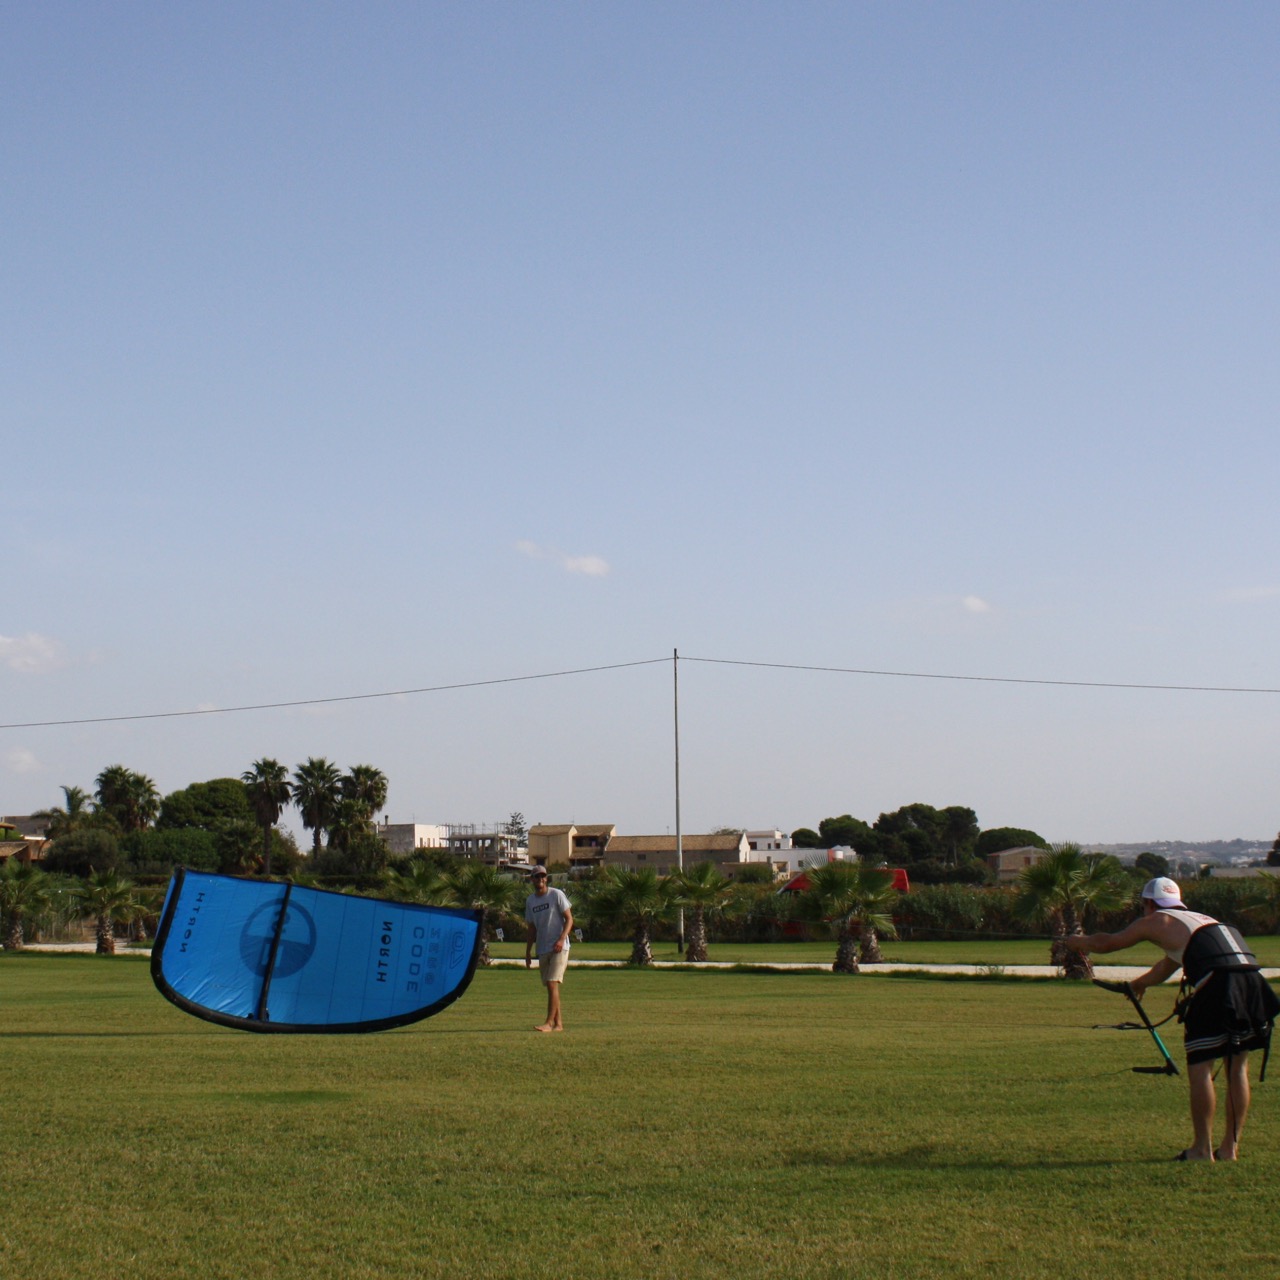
{"x": 1219, "y": 851}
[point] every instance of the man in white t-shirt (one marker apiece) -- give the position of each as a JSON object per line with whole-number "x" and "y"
{"x": 549, "y": 916}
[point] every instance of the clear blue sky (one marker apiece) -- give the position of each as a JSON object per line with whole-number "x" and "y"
{"x": 348, "y": 348}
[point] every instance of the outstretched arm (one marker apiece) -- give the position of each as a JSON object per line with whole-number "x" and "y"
{"x": 1162, "y": 969}
{"x": 1150, "y": 928}
{"x": 1144, "y": 929}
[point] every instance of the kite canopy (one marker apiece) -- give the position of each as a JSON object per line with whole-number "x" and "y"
{"x": 264, "y": 956}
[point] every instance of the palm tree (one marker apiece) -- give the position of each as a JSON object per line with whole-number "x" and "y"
{"x": 419, "y": 882}
{"x": 148, "y": 902}
{"x": 853, "y": 900}
{"x": 128, "y": 797}
{"x": 1064, "y": 887}
{"x": 485, "y": 890}
{"x": 316, "y": 789}
{"x": 71, "y": 817}
{"x": 269, "y": 791}
{"x": 633, "y": 899}
{"x": 702, "y": 891}
{"x": 108, "y": 898}
{"x": 366, "y": 788}
{"x": 25, "y": 893}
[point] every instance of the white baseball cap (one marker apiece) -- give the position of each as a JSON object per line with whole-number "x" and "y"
{"x": 1163, "y": 892}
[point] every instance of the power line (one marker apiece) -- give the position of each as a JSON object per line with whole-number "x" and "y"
{"x": 313, "y": 702}
{"x": 935, "y": 675}
{"x": 644, "y": 662}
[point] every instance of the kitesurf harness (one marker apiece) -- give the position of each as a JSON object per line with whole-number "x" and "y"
{"x": 1212, "y": 947}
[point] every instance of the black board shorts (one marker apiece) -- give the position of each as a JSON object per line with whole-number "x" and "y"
{"x": 1231, "y": 1014}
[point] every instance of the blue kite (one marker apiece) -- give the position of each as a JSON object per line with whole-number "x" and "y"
{"x": 261, "y": 955}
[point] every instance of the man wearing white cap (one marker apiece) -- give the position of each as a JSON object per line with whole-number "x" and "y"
{"x": 1229, "y": 1011}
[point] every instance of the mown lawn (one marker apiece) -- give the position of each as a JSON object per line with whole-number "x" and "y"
{"x": 989, "y": 951}
{"x": 687, "y": 1125}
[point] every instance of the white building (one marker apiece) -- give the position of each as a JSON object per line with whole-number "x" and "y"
{"x": 762, "y": 843}
{"x": 803, "y": 858}
{"x": 405, "y": 837}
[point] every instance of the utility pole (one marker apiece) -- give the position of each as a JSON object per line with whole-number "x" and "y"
{"x": 675, "y": 689}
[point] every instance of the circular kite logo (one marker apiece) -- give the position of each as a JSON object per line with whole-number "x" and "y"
{"x": 297, "y": 939}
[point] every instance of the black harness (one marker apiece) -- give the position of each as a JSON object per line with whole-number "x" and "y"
{"x": 1213, "y": 947}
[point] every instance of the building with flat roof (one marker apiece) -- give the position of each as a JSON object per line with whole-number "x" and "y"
{"x": 492, "y": 846}
{"x": 767, "y": 842}
{"x": 405, "y": 837}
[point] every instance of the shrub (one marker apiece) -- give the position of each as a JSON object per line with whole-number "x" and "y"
{"x": 1225, "y": 900}
{"x": 79, "y": 853}
{"x": 158, "y": 852}
{"x": 941, "y": 912}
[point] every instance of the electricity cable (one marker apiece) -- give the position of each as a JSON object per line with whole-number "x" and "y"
{"x": 645, "y": 662}
{"x": 935, "y": 675}
{"x": 313, "y": 702}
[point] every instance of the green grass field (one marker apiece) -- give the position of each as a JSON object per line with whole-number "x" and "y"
{"x": 986, "y": 951}
{"x": 687, "y": 1125}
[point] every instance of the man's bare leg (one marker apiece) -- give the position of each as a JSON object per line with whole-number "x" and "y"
{"x": 1203, "y": 1103}
{"x": 1237, "y": 1108}
{"x": 554, "y": 1021}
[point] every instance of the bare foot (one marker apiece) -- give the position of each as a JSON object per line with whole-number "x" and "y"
{"x": 1226, "y": 1153}
{"x": 1189, "y": 1154}
{"x": 546, "y": 1026}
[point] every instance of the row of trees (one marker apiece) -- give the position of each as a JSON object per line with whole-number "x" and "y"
{"x": 30, "y": 897}
{"x": 1067, "y": 893}
{"x": 851, "y": 899}
{"x": 934, "y": 845}
{"x": 230, "y": 824}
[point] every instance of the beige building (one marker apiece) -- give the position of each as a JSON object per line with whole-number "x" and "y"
{"x": 28, "y": 849}
{"x": 1009, "y": 864}
{"x": 659, "y": 852}
{"x": 579, "y": 846}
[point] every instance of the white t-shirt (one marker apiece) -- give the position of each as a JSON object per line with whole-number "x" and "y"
{"x": 546, "y": 912}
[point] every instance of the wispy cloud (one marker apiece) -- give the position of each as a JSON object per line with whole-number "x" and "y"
{"x": 31, "y": 654}
{"x": 942, "y": 614}
{"x": 1250, "y": 595}
{"x": 590, "y": 566}
{"x": 20, "y": 760}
